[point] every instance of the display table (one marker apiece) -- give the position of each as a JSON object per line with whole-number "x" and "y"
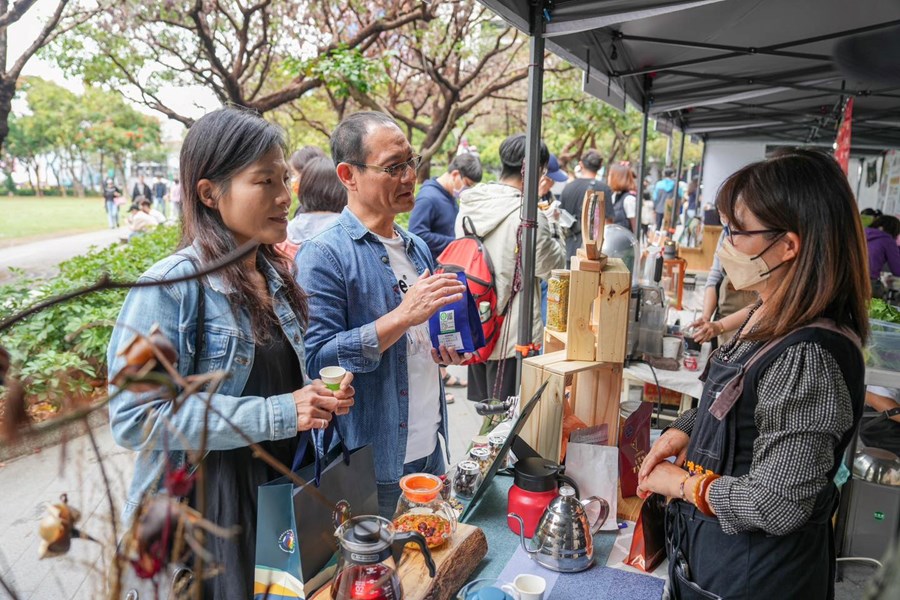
{"x": 609, "y": 577}
{"x": 685, "y": 382}
{"x": 882, "y": 377}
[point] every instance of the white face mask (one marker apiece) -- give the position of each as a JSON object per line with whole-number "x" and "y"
{"x": 743, "y": 270}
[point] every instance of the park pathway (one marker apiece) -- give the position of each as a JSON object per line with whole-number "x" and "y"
{"x": 41, "y": 258}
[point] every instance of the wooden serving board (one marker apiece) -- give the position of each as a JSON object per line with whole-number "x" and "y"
{"x": 455, "y": 563}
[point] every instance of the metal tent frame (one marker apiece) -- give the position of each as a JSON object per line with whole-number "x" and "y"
{"x": 761, "y": 70}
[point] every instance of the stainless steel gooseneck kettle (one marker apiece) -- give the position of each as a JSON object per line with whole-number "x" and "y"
{"x": 563, "y": 540}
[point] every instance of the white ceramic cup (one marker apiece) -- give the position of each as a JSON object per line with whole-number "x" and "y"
{"x": 526, "y": 587}
{"x": 332, "y": 377}
{"x": 671, "y": 344}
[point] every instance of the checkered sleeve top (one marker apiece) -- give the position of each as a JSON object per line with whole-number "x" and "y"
{"x": 804, "y": 409}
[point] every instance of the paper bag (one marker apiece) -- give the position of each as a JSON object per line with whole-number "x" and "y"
{"x": 648, "y": 545}
{"x": 595, "y": 469}
{"x": 634, "y": 443}
{"x": 295, "y": 524}
{"x": 457, "y": 325}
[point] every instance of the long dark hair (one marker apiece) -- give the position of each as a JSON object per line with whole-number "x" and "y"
{"x": 806, "y": 192}
{"x": 217, "y": 146}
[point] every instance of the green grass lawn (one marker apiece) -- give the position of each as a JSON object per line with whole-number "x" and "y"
{"x": 24, "y": 217}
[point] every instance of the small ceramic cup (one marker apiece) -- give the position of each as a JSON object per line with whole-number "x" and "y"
{"x": 526, "y": 587}
{"x": 332, "y": 377}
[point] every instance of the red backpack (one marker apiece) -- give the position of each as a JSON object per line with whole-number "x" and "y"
{"x": 469, "y": 255}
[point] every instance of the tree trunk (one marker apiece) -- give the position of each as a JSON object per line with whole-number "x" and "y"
{"x": 59, "y": 183}
{"x": 28, "y": 174}
{"x": 76, "y": 181}
{"x": 37, "y": 179}
{"x": 424, "y": 172}
{"x": 7, "y": 91}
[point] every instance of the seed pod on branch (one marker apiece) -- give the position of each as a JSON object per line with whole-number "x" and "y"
{"x": 57, "y": 529}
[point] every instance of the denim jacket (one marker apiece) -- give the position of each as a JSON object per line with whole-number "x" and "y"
{"x": 151, "y": 424}
{"x": 347, "y": 274}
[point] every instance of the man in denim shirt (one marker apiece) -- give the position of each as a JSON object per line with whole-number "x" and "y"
{"x": 371, "y": 294}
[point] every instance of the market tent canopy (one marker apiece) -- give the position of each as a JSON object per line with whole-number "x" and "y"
{"x": 727, "y": 69}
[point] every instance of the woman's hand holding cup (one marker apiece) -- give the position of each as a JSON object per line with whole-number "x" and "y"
{"x": 317, "y": 402}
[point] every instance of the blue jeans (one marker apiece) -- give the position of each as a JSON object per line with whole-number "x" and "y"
{"x": 112, "y": 213}
{"x": 389, "y": 493}
{"x": 544, "y": 287}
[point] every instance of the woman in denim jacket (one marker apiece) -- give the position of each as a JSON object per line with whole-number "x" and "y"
{"x": 234, "y": 189}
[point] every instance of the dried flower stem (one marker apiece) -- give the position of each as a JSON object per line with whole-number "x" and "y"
{"x": 105, "y": 283}
{"x": 116, "y": 591}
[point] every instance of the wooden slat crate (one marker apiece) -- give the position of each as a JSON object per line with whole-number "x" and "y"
{"x": 610, "y": 313}
{"x": 594, "y": 391}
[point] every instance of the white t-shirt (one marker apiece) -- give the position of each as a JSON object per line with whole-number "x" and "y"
{"x": 629, "y": 203}
{"x": 423, "y": 374}
{"x": 892, "y": 393}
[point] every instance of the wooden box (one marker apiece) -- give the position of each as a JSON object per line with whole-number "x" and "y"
{"x": 594, "y": 390}
{"x": 610, "y": 316}
{"x": 597, "y": 321}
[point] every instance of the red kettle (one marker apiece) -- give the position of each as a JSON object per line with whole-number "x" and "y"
{"x": 534, "y": 487}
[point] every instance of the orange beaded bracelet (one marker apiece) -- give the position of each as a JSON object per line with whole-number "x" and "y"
{"x": 701, "y": 500}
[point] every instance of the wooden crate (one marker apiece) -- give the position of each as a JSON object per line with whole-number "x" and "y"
{"x": 610, "y": 315}
{"x": 597, "y": 318}
{"x": 594, "y": 391}
{"x": 554, "y": 341}
{"x": 584, "y": 285}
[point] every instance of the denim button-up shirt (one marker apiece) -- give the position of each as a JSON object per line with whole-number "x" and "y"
{"x": 150, "y": 424}
{"x": 348, "y": 275}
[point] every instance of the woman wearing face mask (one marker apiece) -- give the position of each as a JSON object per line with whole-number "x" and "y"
{"x": 752, "y": 481}
{"x": 246, "y": 319}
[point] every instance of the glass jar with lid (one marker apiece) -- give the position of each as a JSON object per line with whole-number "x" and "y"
{"x": 422, "y": 509}
{"x": 558, "y": 300}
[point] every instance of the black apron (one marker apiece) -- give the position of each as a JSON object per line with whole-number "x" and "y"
{"x": 705, "y": 562}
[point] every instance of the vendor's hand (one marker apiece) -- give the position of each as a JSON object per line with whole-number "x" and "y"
{"x": 345, "y": 395}
{"x": 448, "y": 356}
{"x": 705, "y": 330}
{"x": 664, "y": 479}
{"x": 673, "y": 442}
{"x": 430, "y": 294}
{"x": 315, "y": 403}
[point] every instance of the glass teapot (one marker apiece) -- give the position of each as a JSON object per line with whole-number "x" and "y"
{"x": 370, "y": 551}
{"x": 422, "y": 509}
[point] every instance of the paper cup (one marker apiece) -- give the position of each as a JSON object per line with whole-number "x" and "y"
{"x": 332, "y": 377}
{"x": 671, "y": 345}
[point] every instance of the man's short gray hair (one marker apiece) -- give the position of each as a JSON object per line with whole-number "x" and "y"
{"x": 349, "y": 137}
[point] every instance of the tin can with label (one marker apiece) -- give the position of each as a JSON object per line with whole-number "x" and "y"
{"x": 691, "y": 360}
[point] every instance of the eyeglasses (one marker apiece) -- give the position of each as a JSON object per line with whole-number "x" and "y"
{"x": 398, "y": 170}
{"x": 731, "y": 233}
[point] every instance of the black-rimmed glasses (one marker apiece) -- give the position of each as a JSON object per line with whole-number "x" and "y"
{"x": 731, "y": 233}
{"x": 399, "y": 169}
